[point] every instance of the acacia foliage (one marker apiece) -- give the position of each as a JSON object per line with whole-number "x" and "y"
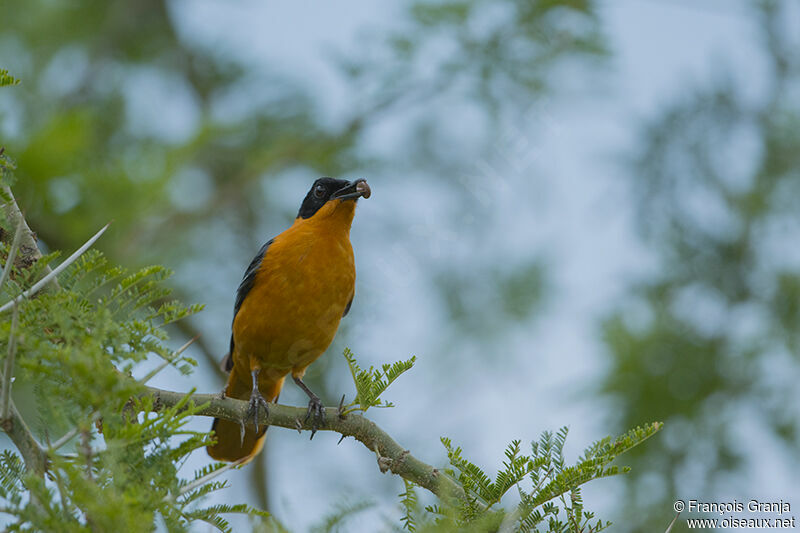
{"x": 76, "y": 345}
{"x": 546, "y": 487}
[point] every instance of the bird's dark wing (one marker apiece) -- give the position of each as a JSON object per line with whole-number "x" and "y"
{"x": 247, "y": 283}
{"x": 347, "y": 307}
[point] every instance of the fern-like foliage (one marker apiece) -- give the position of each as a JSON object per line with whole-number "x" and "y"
{"x": 6, "y": 78}
{"x": 11, "y": 473}
{"x": 370, "y": 384}
{"x": 409, "y": 501}
{"x": 548, "y": 489}
{"x": 76, "y": 350}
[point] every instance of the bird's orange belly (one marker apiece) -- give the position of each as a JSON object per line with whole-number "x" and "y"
{"x": 292, "y": 313}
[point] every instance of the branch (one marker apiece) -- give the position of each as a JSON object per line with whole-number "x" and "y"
{"x": 17, "y": 430}
{"x": 29, "y": 251}
{"x": 8, "y": 367}
{"x": 56, "y": 271}
{"x": 391, "y": 456}
{"x": 11, "y": 421}
{"x": 12, "y": 253}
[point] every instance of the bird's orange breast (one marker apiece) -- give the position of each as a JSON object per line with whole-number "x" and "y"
{"x": 302, "y": 287}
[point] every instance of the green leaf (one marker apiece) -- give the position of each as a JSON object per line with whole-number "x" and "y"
{"x": 7, "y": 79}
{"x": 410, "y": 503}
{"x": 370, "y": 384}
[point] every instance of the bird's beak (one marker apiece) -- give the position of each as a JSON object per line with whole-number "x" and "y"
{"x": 354, "y": 189}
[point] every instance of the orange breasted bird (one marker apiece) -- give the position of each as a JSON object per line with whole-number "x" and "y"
{"x": 288, "y": 307}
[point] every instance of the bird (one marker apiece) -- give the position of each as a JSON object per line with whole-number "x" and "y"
{"x": 288, "y": 307}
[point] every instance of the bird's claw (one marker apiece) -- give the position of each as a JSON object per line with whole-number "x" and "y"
{"x": 256, "y": 402}
{"x": 316, "y": 412}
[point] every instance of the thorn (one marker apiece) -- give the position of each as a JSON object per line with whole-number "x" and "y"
{"x": 55, "y": 272}
{"x": 669, "y": 528}
{"x": 340, "y": 440}
{"x": 383, "y": 462}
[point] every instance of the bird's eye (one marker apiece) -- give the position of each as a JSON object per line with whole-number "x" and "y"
{"x": 319, "y": 191}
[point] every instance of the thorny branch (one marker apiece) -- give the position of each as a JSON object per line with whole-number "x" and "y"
{"x": 392, "y": 456}
{"x": 28, "y": 250}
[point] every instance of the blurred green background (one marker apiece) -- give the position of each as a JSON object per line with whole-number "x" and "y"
{"x": 584, "y": 213}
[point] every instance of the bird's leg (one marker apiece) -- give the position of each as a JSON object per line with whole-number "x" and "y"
{"x": 315, "y": 407}
{"x": 256, "y": 401}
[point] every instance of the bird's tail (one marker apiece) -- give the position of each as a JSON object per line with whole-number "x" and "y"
{"x": 231, "y": 446}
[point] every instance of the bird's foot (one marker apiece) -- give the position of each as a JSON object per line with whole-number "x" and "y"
{"x": 315, "y": 408}
{"x": 316, "y": 412}
{"x": 257, "y": 402}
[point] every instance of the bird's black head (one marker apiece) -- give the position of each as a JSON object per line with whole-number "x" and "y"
{"x": 326, "y": 189}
